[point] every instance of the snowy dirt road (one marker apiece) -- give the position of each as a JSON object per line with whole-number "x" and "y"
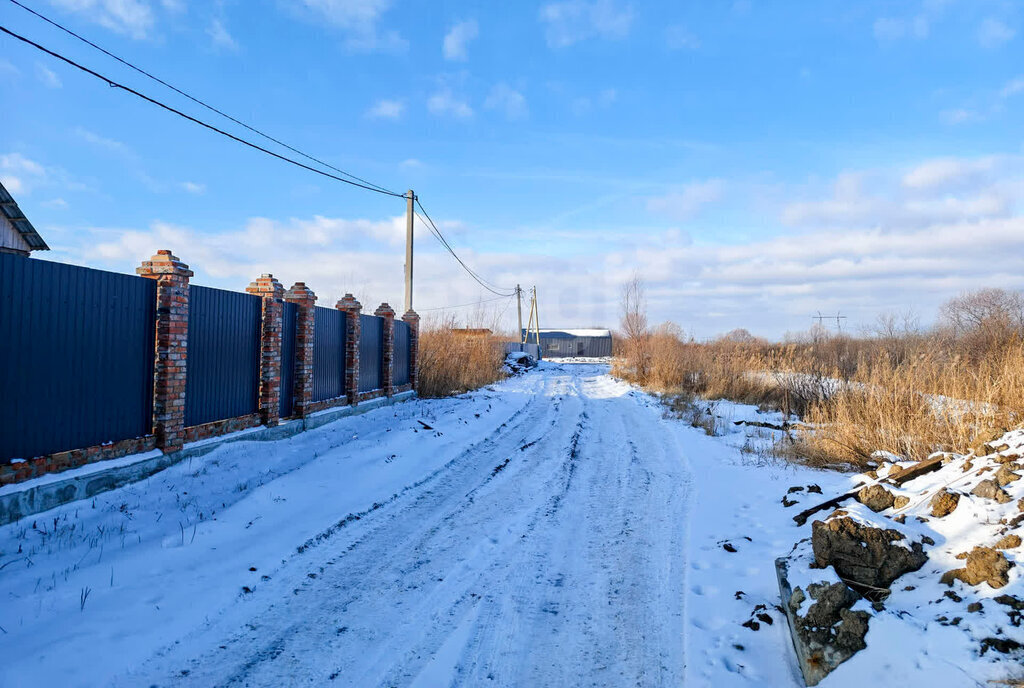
{"x": 534, "y": 559}
{"x": 531, "y": 534}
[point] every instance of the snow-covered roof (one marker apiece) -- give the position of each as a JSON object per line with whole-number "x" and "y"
{"x": 579, "y": 333}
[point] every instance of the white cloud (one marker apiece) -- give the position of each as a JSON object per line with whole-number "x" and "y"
{"x": 220, "y": 36}
{"x": 458, "y": 38}
{"x": 8, "y": 69}
{"x": 768, "y": 286}
{"x": 359, "y": 19}
{"x": 194, "y": 187}
{"x": 678, "y": 37}
{"x": 47, "y": 76}
{"x": 959, "y": 116}
{"x": 946, "y": 172}
{"x": 992, "y": 33}
{"x": 308, "y": 250}
{"x": 130, "y": 17}
{"x": 583, "y": 104}
{"x": 891, "y": 29}
{"x": 573, "y": 21}
{"x": 19, "y": 173}
{"x": 445, "y": 103}
{"x": 508, "y": 100}
{"x": 688, "y": 201}
{"x": 1012, "y": 87}
{"x": 12, "y": 183}
{"x": 937, "y": 191}
{"x": 386, "y": 109}
{"x": 111, "y": 145}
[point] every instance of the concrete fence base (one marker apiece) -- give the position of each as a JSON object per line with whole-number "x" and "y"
{"x": 18, "y": 501}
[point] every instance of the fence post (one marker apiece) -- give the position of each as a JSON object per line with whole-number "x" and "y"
{"x": 170, "y": 356}
{"x": 413, "y": 319}
{"x": 353, "y": 329}
{"x": 272, "y": 293}
{"x": 387, "y": 382}
{"x": 303, "y": 297}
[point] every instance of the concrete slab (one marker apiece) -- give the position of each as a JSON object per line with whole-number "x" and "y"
{"x": 50, "y": 491}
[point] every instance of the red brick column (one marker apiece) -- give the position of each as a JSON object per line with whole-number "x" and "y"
{"x": 272, "y": 293}
{"x": 171, "y": 351}
{"x": 352, "y": 309}
{"x": 413, "y": 319}
{"x": 388, "y": 359}
{"x": 305, "y": 299}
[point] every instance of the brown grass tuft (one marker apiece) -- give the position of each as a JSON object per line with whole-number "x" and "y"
{"x": 451, "y": 363}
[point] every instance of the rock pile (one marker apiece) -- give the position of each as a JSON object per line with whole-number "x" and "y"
{"x": 886, "y": 529}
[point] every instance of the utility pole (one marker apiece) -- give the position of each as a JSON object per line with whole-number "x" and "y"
{"x": 519, "y": 308}
{"x": 410, "y": 197}
{"x": 536, "y": 322}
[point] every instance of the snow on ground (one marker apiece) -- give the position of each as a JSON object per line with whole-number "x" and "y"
{"x": 556, "y": 529}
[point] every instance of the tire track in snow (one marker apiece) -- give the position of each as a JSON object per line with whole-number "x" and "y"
{"x": 565, "y": 567}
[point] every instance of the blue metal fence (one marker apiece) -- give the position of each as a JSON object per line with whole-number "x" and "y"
{"x": 371, "y": 352}
{"x": 77, "y": 353}
{"x": 76, "y": 357}
{"x": 223, "y": 355}
{"x": 328, "y": 353}
{"x": 400, "y": 366}
{"x": 289, "y": 318}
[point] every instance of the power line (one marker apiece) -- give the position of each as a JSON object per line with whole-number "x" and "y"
{"x": 197, "y": 100}
{"x": 472, "y": 273}
{"x": 465, "y": 305}
{"x": 114, "y": 84}
{"x": 361, "y": 183}
{"x": 493, "y": 288}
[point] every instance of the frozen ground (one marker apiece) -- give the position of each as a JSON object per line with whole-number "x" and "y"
{"x": 554, "y": 530}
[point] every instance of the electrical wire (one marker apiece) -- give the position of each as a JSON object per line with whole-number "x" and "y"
{"x": 465, "y": 305}
{"x": 113, "y": 84}
{"x": 501, "y": 292}
{"x": 489, "y": 286}
{"x": 472, "y": 273}
{"x": 198, "y": 101}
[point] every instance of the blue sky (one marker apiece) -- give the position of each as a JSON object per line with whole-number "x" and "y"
{"x": 755, "y": 162}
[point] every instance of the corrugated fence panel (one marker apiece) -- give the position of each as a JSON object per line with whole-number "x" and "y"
{"x": 76, "y": 356}
{"x": 288, "y": 321}
{"x": 371, "y": 352}
{"x": 328, "y": 353}
{"x": 223, "y": 355}
{"x": 400, "y": 367}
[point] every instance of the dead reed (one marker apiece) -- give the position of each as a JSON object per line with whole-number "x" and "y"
{"x": 452, "y": 362}
{"x": 910, "y": 395}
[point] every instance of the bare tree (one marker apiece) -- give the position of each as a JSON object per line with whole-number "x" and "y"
{"x": 635, "y": 328}
{"x": 985, "y": 319}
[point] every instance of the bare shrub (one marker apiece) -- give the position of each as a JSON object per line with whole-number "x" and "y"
{"x": 635, "y": 361}
{"x": 452, "y": 363}
{"x": 985, "y": 320}
{"x": 896, "y": 389}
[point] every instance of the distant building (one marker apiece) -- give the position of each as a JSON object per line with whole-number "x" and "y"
{"x": 589, "y": 343}
{"x": 17, "y": 235}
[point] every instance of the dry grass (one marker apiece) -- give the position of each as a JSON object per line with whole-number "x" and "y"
{"x": 932, "y": 402}
{"x": 452, "y": 363}
{"x": 910, "y": 394}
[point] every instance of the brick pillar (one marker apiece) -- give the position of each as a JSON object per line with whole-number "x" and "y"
{"x": 352, "y": 310}
{"x": 169, "y": 364}
{"x": 414, "y": 346}
{"x": 388, "y": 359}
{"x": 305, "y": 299}
{"x": 272, "y": 293}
